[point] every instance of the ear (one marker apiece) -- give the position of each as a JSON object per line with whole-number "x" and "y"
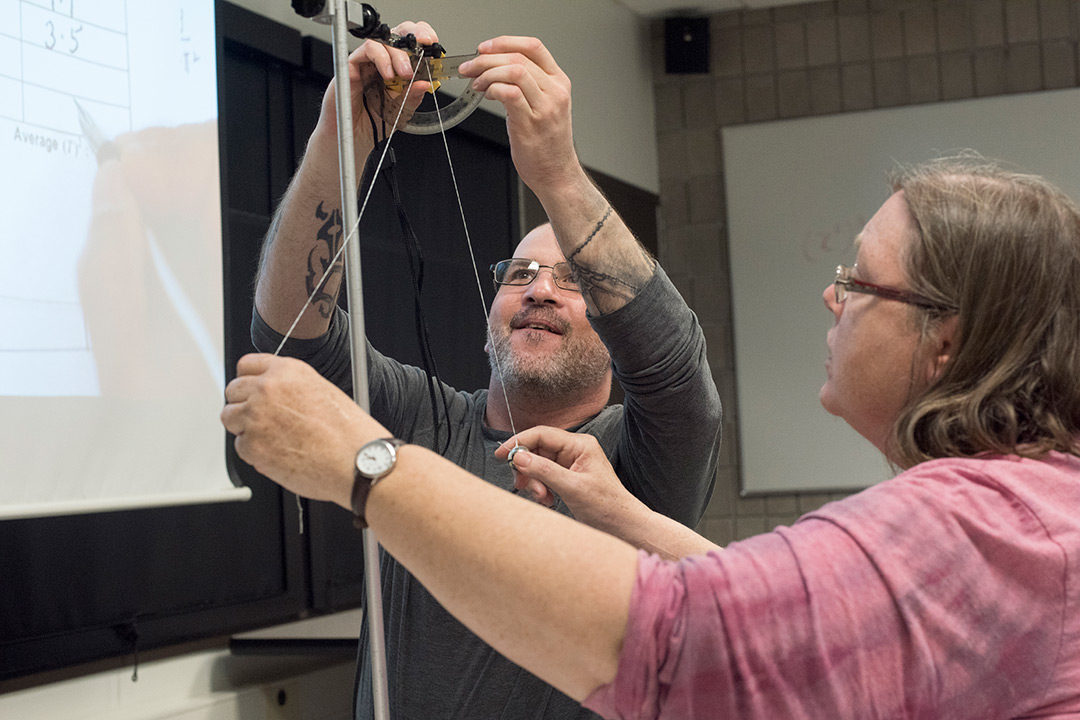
{"x": 943, "y": 343}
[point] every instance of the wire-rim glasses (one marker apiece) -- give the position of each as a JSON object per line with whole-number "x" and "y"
{"x": 845, "y": 283}
{"x": 522, "y": 271}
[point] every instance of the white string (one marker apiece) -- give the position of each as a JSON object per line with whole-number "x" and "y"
{"x": 464, "y": 223}
{"x": 349, "y": 236}
{"x": 359, "y": 215}
{"x": 476, "y": 270}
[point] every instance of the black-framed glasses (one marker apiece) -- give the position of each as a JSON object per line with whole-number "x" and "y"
{"x": 844, "y": 284}
{"x": 522, "y": 271}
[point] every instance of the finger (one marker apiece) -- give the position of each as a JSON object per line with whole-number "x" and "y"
{"x": 537, "y": 437}
{"x": 393, "y": 65}
{"x": 385, "y": 59}
{"x": 530, "y": 47}
{"x": 243, "y": 448}
{"x": 425, "y": 34}
{"x": 540, "y": 493}
{"x": 565, "y": 447}
{"x": 487, "y": 63}
{"x": 254, "y": 364}
{"x": 534, "y": 490}
{"x": 512, "y": 98}
{"x": 560, "y": 446}
{"x": 391, "y": 62}
{"x": 531, "y": 82}
{"x": 524, "y": 94}
{"x": 238, "y": 389}
{"x": 233, "y": 418}
{"x": 535, "y": 470}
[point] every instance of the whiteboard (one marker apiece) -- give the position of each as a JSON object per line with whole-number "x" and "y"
{"x": 798, "y": 191}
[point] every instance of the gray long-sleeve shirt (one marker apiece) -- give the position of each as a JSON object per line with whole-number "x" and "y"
{"x": 663, "y": 443}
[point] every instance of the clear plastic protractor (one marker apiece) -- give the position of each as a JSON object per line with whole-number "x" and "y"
{"x": 428, "y": 122}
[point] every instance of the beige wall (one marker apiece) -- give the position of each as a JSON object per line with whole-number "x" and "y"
{"x": 814, "y": 59}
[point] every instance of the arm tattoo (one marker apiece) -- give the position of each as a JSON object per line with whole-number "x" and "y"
{"x": 593, "y": 282}
{"x": 588, "y": 240}
{"x": 320, "y": 257}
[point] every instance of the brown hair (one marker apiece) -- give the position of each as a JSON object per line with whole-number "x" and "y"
{"x": 1003, "y": 248}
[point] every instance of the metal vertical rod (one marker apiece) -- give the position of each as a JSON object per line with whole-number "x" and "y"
{"x": 354, "y": 289}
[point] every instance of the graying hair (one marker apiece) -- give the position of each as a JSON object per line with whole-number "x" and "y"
{"x": 1004, "y": 248}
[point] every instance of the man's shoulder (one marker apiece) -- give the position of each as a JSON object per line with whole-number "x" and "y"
{"x": 605, "y": 424}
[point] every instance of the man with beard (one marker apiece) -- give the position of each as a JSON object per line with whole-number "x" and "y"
{"x": 544, "y": 354}
{"x": 579, "y": 296}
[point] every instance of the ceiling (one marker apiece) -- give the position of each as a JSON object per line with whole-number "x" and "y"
{"x": 665, "y": 8}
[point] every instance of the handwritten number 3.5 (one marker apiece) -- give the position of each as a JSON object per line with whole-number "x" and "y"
{"x": 50, "y": 42}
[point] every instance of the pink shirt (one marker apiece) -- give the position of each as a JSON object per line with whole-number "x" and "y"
{"x": 950, "y": 591}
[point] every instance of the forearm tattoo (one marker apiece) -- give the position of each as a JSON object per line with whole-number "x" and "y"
{"x": 589, "y": 239}
{"x": 328, "y": 243}
{"x": 594, "y": 283}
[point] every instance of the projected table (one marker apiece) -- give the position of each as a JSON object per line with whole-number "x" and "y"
{"x": 128, "y": 66}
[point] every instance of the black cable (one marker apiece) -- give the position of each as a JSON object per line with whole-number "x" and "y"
{"x": 416, "y": 268}
{"x": 416, "y": 271}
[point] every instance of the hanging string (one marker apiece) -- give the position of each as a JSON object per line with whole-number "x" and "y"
{"x": 468, "y": 239}
{"x": 356, "y": 225}
{"x": 337, "y": 256}
{"x": 476, "y": 271}
{"x": 416, "y": 270}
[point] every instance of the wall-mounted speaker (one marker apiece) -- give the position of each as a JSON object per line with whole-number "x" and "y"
{"x": 686, "y": 45}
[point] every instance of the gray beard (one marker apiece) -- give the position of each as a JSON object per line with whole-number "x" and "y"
{"x": 578, "y": 365}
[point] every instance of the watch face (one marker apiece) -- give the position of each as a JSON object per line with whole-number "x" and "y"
{"x": 375, "y": 459}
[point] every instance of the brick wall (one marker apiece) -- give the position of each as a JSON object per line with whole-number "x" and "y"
{"x": 814, "y": 59}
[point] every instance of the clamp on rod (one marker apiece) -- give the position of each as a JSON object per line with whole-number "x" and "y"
{"x": 363, "y": 21}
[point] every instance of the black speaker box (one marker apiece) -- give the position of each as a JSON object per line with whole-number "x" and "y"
{"x": 686, "y": 45}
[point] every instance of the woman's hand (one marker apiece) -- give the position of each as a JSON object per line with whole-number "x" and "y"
{"x": 573, "y": 465}
{"x": 296, "y": 427}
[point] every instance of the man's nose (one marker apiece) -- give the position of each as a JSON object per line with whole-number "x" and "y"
{"x": 543, "y": 287}
{"x": 829, "y": 296}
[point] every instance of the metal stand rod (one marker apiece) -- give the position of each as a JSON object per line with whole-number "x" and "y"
{"x": 354, "y": 288}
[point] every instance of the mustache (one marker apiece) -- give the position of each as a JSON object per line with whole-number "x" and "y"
{"x": 541, "y": 314}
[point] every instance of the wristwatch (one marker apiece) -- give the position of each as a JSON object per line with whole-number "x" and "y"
{"x": 374, "y": 462}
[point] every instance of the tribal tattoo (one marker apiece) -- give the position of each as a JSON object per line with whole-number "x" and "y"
{"x": 319, "y": 259}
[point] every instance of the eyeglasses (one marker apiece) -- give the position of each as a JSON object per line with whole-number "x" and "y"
{"x": 844, "y": 284}
{"x": 522, "y": 271}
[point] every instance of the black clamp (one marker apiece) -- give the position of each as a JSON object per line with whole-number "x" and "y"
{"x": 367, "y": 26}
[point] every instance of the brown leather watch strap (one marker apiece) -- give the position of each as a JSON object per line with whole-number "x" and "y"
{"x": 363, "y": 482}
{"x": 360, "y": 488}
